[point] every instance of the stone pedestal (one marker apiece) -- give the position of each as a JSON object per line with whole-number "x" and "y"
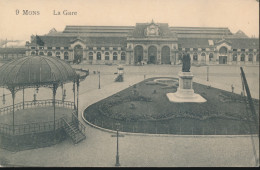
{"x": 185, "y": 92}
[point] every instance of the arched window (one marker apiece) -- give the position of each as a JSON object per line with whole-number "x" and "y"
{"x": 33, "y": 53}
{"x": 123, "y": 56}
{"x": 242, "y": 57}
{"x": 41, "y": 53}
{"x": 223, "y": 50}
{"x": 211, "y": 56}
{"x": 115, "y": 56}
{"x": 66, "y": 55}
{"x": 98, "y": 55}
{"x": 49, "y": 53}
{"x": 235, "y": 57}
{"x": 107, "y": 56}
{"x": 58, "y": 54}
{"x": 195, "y": 57}
{"x": 90, "y": 56}
{"x": 250, "y": 57}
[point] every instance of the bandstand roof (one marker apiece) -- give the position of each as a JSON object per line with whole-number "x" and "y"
{"x": 35, "y": 70}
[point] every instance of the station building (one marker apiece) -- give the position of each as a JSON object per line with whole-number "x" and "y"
{"x": 146, "y": 43}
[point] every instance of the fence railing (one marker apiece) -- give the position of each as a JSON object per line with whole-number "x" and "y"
{"x": 36, "y": 103}
{"x": 153, "y": 127}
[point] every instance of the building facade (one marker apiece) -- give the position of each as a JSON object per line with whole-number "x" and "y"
{"x": 146, "y": 43}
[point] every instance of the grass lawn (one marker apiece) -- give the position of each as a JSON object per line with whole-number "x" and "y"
{"x": 35, "y": 115}
{"x": 144, "y": 107}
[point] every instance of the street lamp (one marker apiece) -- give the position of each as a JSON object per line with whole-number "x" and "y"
{"x": 98, "y": 79}
{"x": 117, "y": 149}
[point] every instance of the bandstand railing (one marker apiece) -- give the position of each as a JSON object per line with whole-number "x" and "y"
{"x": 21, "y": 129}
{"x": 30, "y": 128}
{"x": 36, "y": 103}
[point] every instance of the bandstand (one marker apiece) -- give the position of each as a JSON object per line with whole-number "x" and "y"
{"x": 36, "y": 72}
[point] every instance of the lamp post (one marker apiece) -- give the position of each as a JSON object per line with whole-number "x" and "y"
{"x": 208, "y": 73}
{"x": 117, "y": 149}
{"x": 98, "y": 79}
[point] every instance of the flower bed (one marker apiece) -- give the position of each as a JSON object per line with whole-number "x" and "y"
{"x": 146, "y": 103}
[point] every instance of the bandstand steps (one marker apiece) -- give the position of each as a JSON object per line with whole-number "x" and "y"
{"x": 74, "y": 133}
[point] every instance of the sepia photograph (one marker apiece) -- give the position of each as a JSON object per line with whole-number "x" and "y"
{"x": 129, "y": 83}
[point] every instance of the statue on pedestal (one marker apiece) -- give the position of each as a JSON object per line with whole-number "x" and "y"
{"x": 186, "y": 62}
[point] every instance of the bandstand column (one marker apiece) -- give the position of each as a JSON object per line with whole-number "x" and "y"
{"x": 74, "y": 93}
{"x": 54, "y": 94}
{"x": 13, "y": 97}
{"x": 77, "y": 96}
{"x": 23, "y": 97}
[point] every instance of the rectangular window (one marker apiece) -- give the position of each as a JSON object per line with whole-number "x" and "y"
{"x": 114, "y": 48}
{"x": 32, "y": 47}
{"x": 203, "y": 49}
{"x": 195, "y": 49}
{"x": 66, "y": 48}
{"x": 243, "y": 50}
{"x": 49, "y": 48}
{"x": 99, "y": 48}
{"x": 90, "y": 48}
{"x": 250, "y": 50}
{"x": 107, "y": 48}
{"x": 187, "y": 49}
{"x": 234, "y": 49}
{"x": 180, "y": 49}
{"x": 41, "y": 48}
{"x": 57, "y": 48}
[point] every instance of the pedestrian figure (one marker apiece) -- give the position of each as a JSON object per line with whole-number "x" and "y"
{"x": 232, "y": 88}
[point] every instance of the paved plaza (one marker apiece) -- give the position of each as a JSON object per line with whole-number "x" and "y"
{"x": 99, "y": 148}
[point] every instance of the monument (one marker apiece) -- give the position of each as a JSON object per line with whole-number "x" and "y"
{"x": 185, "y": 92}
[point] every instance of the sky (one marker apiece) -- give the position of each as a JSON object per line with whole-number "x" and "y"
{"x": 234, "y": 14}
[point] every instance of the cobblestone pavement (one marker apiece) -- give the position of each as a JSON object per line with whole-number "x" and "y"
{"x": 99, "y": 148}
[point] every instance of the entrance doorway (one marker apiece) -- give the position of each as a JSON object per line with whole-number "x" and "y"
{"x": 138, "y": 54}
{"x": 166, "y": 55}
{"x": 152, "y": 55}
{"x": 222, "y": 59}
{"x": 78, "y": 54}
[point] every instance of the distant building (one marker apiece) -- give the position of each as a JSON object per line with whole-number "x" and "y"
{"x": 7, "y": 54}
{"x": 151, "y": 43}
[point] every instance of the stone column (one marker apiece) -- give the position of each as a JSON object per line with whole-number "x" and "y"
{"x": 94, "y": 61}
{"x": 207, "y": 58}
{"x": 229, "y": 58}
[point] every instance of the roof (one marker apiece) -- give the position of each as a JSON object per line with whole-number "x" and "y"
{"x": 54, "y": 41}
{"x": 244, "y": 43}
{"x": 198, "y": 30}
{"x": 97, "y": 29}
{"x": 105, "y": 41}
{"x": 12, "y": 50}
{"x": 57, "y": 41}
{"x": 194, "y": 42}
{"x": 240, "y": 34}
{"x": 236, "y": 43}
{"x": 139, "y": 31}
{"x": 35, "y": 70}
